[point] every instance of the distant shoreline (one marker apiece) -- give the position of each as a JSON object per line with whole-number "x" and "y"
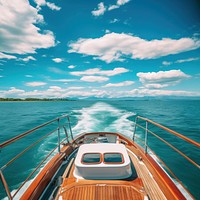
{"x": 31, "y": 99}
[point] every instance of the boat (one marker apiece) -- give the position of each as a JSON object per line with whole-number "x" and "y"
{"x": 100, "y": 165}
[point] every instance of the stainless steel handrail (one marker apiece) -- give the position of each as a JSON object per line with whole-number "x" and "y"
{"x": 16, "y": 138}
{"x": 190, "y": 141}
{"x": 170, "y": 131}
{"x": 178, "y": 135}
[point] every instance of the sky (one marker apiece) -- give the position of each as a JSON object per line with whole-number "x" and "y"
{"x": 99, "y": 48}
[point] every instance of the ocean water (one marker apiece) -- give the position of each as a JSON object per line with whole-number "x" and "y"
{"x": 88, "y": 115}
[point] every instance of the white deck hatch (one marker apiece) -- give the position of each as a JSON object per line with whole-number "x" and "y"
{"x": 102, "y": 161}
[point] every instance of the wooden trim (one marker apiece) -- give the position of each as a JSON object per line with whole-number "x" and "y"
{"x": 168, "y": 187}
{"x": 42, "y": 179}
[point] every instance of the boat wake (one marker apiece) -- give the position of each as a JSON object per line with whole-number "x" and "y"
{"x": 103, "y": 117}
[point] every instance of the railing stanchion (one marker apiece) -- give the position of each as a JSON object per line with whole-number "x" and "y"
{"x": 146, "y": 136}
{"x": 70, "y": 128}
{"x": 134, "y": 132}
{"x": 59, "y": 135}
{"x": 5, "y": 185}
{"x": 66, "y": 133}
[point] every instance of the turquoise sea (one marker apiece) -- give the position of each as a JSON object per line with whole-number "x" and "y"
{"x": 182, "y": 116}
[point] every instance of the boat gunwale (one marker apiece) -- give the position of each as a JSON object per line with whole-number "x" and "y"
{"x": 168, "y": 186}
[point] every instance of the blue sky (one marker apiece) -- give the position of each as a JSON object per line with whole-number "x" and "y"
{"x": 105, "y": 49}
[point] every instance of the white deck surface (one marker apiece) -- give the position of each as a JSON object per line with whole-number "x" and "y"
{"x": 102, "y": 170}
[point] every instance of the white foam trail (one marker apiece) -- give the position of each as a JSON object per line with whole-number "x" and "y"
{"x": 103, "y": 117}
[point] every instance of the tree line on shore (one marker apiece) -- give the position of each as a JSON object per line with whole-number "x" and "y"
{"x": 33, "y": 99}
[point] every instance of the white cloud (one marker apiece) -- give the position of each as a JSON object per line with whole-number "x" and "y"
{"x": 40, "y": 2}
{"x": 11, "y": 91}
{"x": 154, "y": 93}
{"x": 58, "y": 92}
{"x": 28, "y": 58}
{"x": 114, "y": 47}
{"x": 75, "y": 88}
{"x": 180, "y": 61}
{"x": 122, "y": 84}
{"x": 52, "y": 6}
{"x": 35, "y": 84}
{"x": 55, "y": 88}
{"x": 18, "y": 31}
{"x": 71, "y": 66}
{"x": 119, "y": 3}
{"x": 166, "y": 63}
{"x": 112, "y": 7}
{"x": 162, "y": 78}
{"x": 6, "y": 56}
{"x": 58, "y": 60}
{"x": 97, "y": 71}
{"x": 187, "y": 60}
{"x": 114, "y": 21}
{"x": 100, "y": 11}
{"x": 63, "y": 80}
{"x": 94, "y": 79}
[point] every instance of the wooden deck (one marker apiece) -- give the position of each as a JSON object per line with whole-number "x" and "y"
{"x": 102, "y": 192}
{"x": 150, "y": 185}
{"x": 143, "y": 185}
{"x": 149, "y": 182}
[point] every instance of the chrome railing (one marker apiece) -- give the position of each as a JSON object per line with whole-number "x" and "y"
{"x": 65, "y": 126}
{"x": 145, "y": 127}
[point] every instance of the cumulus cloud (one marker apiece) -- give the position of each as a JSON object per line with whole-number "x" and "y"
{"x": 100, "y": 10}
{"x": 162, "y": 78}
{"x": 180, "y": 61}
{"x": 121, "y": 84}
{"x": 97, "y": 71}
{"x": 6, "y": 56}
{"x": 118, "y": 4}
{"x": 57, "y": 60}
{"x": 11, "y": 92}
{"x": 35, "y": 84}
{"x": 94, "y": 79}
{"x": 71, "y": 66}
{"x": 115, "y": 47}
{"x": 166, "y": 63}
{"x": 114, "y": 21}
{"x": 75, "y": 88}
{"x": 156, "y": 92}
{"x": 28, "y": 58}
{"x": 52, "y": 6}
{"x": 63, "y": 80}
{"x": 187, "y": 60}
{"x": 18, "y": 31}
{"x": 58, "y": 92}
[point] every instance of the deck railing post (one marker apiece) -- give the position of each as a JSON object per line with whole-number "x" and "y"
{"x": 70, "y": 129}
{"x": 134, "y": 132}
{"x": 59, "y": 135}
{"x": 66, "y": 133}
{"x": 5, "y": 185}
{"x": 146, "y": 136}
